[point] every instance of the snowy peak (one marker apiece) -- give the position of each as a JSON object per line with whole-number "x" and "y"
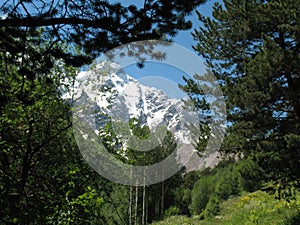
{"x": 122, "y": 97}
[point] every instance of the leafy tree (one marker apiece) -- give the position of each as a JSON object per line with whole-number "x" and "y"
{"x": 37, "y": 150}
{"x": 252, "y": 47}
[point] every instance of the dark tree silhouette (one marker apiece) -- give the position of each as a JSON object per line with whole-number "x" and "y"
{"x": 95, "y": 26}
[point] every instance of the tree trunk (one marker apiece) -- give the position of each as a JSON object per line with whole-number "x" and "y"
{"x": 146, "y": 211}
{"x": 136, "y": 204}
{"x": 130, "y": 205}
{"x": 144, "y": 208}
{"x": 162, "y": 199}
{"x": 144, "y": 196}
{"x": 156, "y": 208}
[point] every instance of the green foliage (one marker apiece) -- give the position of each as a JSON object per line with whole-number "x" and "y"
{"x": 142, "y": 132}
{"x": 251, "y": 46}
{"x": 225, "y": 181}
{"x": 42, "y": 174}
{"x": 84, "y": 209}
{"x": 261, "y": 208}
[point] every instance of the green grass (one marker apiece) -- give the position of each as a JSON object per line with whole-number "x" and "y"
{"x": 250, "y": 209}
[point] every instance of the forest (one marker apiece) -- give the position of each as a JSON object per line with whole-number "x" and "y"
{"x": 252, "y": 47}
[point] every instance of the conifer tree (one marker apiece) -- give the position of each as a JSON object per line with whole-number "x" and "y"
{"x": 252, "y": 47}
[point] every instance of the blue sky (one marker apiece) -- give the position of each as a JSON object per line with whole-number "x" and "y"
{"x": 166, "y": 77}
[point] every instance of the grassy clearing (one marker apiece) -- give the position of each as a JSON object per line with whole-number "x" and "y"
{"x": 250, "y": 209}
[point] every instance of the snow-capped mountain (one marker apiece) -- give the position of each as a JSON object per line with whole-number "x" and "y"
{"x": 121, "y": 97}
